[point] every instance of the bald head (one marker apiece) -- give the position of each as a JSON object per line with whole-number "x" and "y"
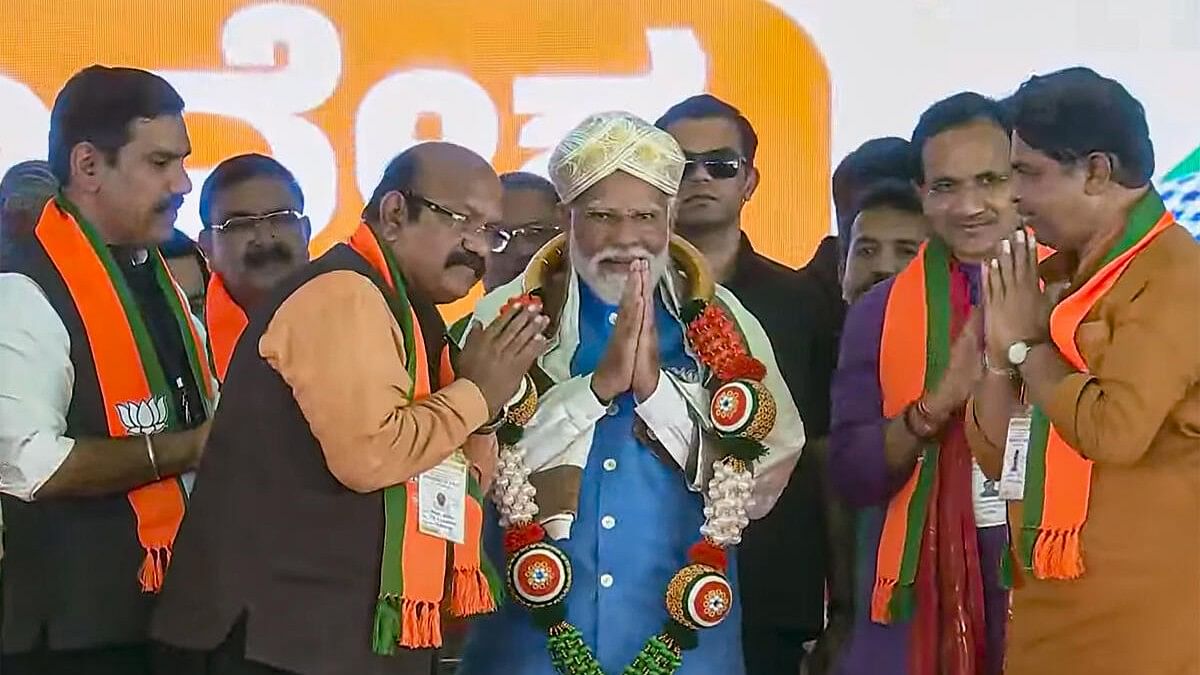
{"x": 431, "y": 208}
{"x": 408, "y": 171}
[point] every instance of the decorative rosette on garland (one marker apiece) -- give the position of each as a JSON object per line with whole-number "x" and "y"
{"x": 699, "y": 596}
{"x": 743, "y": 410}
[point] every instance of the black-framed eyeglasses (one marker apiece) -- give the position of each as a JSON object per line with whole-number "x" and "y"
{"x": 277, "y": 219}
{"x": 537, "y": 231}
{"x": 721, "y": 169}
{"x": 462, "y": 222}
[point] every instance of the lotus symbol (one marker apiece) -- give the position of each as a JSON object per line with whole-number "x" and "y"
{"x": 142, "y": 418}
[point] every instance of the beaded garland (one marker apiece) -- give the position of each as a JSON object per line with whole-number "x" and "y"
{"x": 699, "y": 595}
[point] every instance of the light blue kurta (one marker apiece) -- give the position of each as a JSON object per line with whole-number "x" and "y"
{"x": 635, "y": 523}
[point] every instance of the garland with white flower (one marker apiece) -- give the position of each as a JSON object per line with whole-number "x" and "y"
{"x": 699, "y": 596}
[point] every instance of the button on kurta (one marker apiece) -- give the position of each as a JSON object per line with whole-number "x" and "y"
{"x": 608, "y": 522}
{"x": 606, "y": 580}
{"x": 610, "y": 464}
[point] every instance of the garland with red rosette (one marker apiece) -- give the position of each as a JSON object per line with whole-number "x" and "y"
{"x": 699, "y": 595}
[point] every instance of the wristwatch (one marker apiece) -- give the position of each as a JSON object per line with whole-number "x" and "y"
{"x": 1018, "y": 352}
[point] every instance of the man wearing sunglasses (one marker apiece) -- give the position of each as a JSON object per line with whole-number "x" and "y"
{"x": 784, "y": 555}
{"x": 530, "y": 220}
{"x": 254, "y": 235}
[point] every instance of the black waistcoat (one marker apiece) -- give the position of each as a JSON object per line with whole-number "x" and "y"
{"x": 270, "y": 532}
{"x": 71, "y": 565}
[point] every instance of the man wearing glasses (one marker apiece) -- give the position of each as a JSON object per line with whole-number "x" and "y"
{"x": 782, "y": 556}
{"x": 338, "y": 508}
{"x": 530, "y": 220}
{"x": 254, "y": 235}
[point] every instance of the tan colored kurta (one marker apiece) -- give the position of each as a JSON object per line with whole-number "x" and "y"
{"x": 347, "y": 373}
{"x": 1136, "y": 610}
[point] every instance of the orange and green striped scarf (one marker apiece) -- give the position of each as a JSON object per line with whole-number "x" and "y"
{"x": 911, "y": 326}
{"x": 1057, "y": 478}
{"x": 412, "y": 579}
{"x": 134, "y": 390}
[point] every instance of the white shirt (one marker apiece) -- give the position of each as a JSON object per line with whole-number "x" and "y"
{"x": 36, "y": 381}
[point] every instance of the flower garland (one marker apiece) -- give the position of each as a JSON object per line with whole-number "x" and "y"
{"x": 698, "y": 596}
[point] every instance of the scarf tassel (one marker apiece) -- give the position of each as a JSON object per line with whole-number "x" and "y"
{"x": 421, "y": 625}
{"x": 881, "y": 600}
{"x": 387, "y": 626}
{"x": 470, "y": 593}
{"x": 1057, "y": 554}
{"x": 154, "y": 568}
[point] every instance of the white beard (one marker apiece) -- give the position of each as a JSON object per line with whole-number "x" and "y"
{"x": 609, "y": 286}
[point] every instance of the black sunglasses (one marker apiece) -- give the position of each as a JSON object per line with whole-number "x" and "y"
{"x": 721, "y": 169}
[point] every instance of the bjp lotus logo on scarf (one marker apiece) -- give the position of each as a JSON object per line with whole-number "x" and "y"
{"x": 142, "y": 418}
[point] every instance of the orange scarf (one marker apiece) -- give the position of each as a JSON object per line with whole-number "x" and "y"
{"x": 225, "y": 320}
{"x": 1058, "y": 479}
{"x": 136, "y": 396}
{"x": 413, "y": 578}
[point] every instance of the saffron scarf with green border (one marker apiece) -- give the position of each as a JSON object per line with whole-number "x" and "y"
{"x": 1057, "y": 478}
{"x": 413, "y": 580}
{"x": 137, "y": 398}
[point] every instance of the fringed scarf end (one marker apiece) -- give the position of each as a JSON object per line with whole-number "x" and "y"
{"x": 470, "y": 593}
{"x": 421, "y": 625}
{"x": 387, "y": 626}
{"x": 881, "y": 600}
{"x": 154, "y": 568}
{"x": 1057, "y": 554}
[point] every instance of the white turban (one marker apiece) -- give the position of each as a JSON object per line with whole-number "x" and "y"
{"x": 615, "y": 141}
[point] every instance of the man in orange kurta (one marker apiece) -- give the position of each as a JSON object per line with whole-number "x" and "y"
{"x": 1106, "y": 493}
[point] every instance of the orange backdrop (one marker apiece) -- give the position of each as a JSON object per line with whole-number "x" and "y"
{"x": 749, "y": 54}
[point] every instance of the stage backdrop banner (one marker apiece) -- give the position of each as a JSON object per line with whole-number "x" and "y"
{"x": 335, "y": 89}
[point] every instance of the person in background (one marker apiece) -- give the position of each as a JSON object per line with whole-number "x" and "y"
{"x": 620, "y": 443}
{"x": 888, "y": 229}
{"x": 188, "y": 267}
{"x": 928, "y": 599}
{"x": 24, "y": 191}
{"x": 1107, "y": 491}
{"x": 782, "y": 558}
{"x": 531, "y": 219}
{"x": 885, "y": 234}
{"x": 105, "y": 391}
{"x": 255, "y": 235}
{"x": 886, "y": 158}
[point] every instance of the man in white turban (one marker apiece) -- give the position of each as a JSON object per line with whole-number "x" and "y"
{"x": 649, "y": 433}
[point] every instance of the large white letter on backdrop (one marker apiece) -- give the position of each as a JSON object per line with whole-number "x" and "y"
{"x": 387, "y": 119}
{"x": 271, "y": 97}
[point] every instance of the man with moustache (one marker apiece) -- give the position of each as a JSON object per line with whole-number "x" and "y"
{"x": 530, "y": 220}
{"x": 1106, "y": 492}
{"x": 335, "y": 515}
{"x": 620, "y": 441}
{"x": 886, "y": 233}
{"x": 104, "y": 385}
{"x": 932, "y": 535}
{"x": 784, "y": 558}
{"x": 255, "y": 234}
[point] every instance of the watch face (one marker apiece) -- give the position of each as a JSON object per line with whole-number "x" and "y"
{"x": 1017, "y": 353}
